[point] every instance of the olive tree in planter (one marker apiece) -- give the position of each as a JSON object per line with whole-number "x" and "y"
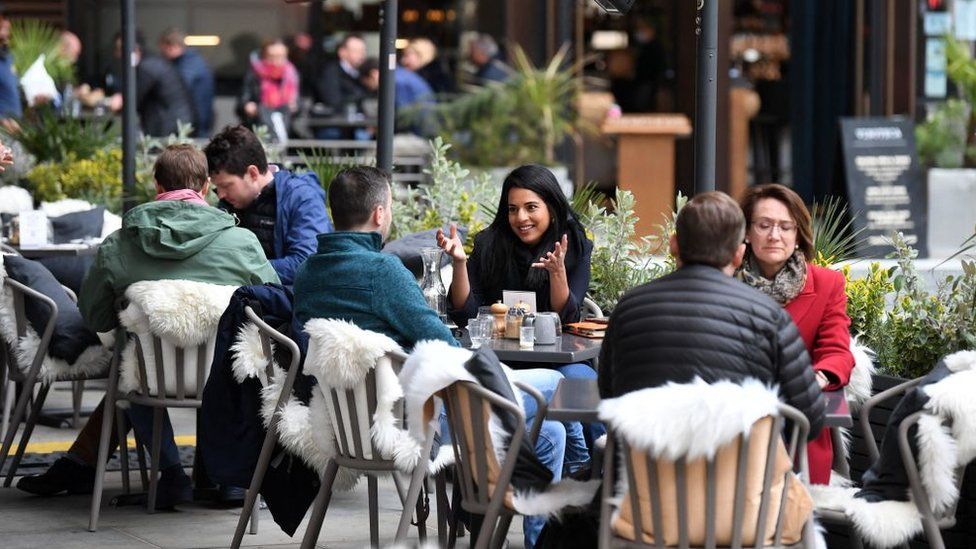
{"x": 519, "y": 121}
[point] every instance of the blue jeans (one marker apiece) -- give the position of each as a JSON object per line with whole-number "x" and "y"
{"x": 590, "y": 431}
{"x": 142, "y": 423}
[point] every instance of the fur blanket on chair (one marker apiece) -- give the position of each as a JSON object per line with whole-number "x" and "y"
{"x": 941, "y": 450}
{"x": 183, "y": 313}
{"x": 93, "y": 361}
{"x": 432, "y": 367}
{"x": 339, "y": 356}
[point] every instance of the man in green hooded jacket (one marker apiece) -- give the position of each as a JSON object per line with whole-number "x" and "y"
{"x": 178, "y": 236}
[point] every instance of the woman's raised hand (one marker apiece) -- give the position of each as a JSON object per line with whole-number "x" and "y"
{"x": 451, "y": 244}
{"x": 555, "y": 261}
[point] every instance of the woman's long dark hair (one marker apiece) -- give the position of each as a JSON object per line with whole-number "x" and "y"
{"x": 504, "y": 256}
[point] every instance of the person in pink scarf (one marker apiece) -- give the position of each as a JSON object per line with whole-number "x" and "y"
{"x": 269, "y": 95}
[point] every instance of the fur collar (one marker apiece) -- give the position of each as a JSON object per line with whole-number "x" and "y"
{"x": 690, "y": 419}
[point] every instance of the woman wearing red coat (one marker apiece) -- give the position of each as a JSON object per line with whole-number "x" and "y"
{"x": 779, "y": 246}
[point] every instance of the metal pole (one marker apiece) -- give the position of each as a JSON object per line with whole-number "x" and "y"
{"x": 129, "y": 129}
{"x": 705, "y": 104}
{"x": 384, "y": 133}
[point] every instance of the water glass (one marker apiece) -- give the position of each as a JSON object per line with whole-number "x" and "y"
{"x": 479, "y": 330}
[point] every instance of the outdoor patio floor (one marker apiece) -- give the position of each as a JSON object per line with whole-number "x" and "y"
{"x": 28, "y": 521}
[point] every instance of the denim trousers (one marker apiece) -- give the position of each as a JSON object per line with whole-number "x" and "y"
{"x": 141, "y": 418}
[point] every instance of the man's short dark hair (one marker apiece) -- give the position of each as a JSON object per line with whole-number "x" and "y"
{"x": 709, "y": 229}
{"x": 354, "y": 193}
{"x": 172, "y": 36}
{"x": 181, "y": 167}
{"x": 351, "y": 36}
{"x": 233, "y": 150}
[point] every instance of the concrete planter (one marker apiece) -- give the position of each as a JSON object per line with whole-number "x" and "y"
{"x": 952, "y": 209}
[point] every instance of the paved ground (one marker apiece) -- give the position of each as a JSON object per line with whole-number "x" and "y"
{"x": 32, "y": 522}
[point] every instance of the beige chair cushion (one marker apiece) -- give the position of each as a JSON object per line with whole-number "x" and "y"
{"x": 798, "y": 508}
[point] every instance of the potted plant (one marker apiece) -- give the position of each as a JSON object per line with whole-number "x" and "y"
{"x": 519, "y": 121}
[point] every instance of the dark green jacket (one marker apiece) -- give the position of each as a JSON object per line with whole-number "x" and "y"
{"x": 349, "y": 279}
{"x": 170, "y": 240}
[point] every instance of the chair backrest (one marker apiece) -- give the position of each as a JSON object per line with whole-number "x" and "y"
{"x": 18, "y": 316}
{"x": 269, "y": 336}
{"x": 352, "y": 412}
{"x": 181, "y": 372}
{"x": 483, "y": 478}
{"x": 945, "y": 517}
{"x": 745, "y": 495}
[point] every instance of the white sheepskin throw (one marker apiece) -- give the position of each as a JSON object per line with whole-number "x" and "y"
{"x": 431, "y": 368}
{"x": 859, "y": 388}
{"x": 941, "y": 451}
{"x": 693, "y": 420}
{"x": 93, "y": 361}
{"x": 14, "y": 199}
{"x": 65, "y": 206}
{"x": 183, "y": 313}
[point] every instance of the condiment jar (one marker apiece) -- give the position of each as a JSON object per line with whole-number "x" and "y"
{"x": 513, "y": 321}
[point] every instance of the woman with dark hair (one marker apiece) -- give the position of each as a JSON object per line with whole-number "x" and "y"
{"x": 535, "y": 243}
{"x": 779, "y": 247}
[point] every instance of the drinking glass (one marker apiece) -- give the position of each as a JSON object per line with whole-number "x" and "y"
{"x": 479, "y": 330}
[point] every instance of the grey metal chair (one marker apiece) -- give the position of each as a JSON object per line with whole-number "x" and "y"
{"x": 27, "y": 377}
{"x": 485, "y": 483}
{"x": 178, "y": 382}
{"x": 634, "y": 459}
{"x": 352, "y": 412}
{"x": 264, "y": 458}
{"x": 932, "y": 523}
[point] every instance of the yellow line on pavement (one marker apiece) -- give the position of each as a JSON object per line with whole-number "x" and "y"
{"x": 63, "y": 445}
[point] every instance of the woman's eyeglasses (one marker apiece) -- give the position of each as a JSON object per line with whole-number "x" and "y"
{"x": 765, "y": 226}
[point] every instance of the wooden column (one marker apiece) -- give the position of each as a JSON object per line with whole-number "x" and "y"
{"x": 645, "y": 161}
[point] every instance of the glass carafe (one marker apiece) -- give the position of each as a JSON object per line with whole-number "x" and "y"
{"x": 431, "y": 285}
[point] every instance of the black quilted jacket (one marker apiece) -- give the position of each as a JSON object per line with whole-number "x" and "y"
{"x": 699, "y": 322}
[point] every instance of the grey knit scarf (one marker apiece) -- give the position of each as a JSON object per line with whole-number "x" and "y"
{"x": 786, "y": 285}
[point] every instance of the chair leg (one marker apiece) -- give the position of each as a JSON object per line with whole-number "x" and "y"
{"x": 20, "y": 410}
{"x": 413, "y": 492}
{"x": 932, "y": 533}
{"x": 103, "y": 441}
{"x": 254, "y": 517}
{"x": 252, "y": 499}
{"x": 35, "y": 412}
{"x": 141, "y": 457}
{"x": 122, "y": 429}
{"x": 8, "y": 404}
{"x": 157, "y": 441}
{"x": 440, "y": 488}
{"x": 320, "y": 506}
{"x": 374, "y": 514}
{"x": 501, "y": 531}
{"x": 77, "y": 392}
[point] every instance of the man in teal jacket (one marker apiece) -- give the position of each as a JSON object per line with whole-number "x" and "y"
{"x": 179, "y": 236}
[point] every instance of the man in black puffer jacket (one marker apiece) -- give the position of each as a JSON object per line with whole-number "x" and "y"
{"x": 700, "y": 322}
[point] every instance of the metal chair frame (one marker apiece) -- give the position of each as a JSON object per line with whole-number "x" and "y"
{"x": 796, "y": 449}
{"x": 144, "y": 396}
{"x": 12, "y": 373}
{"x": 472, "y": 477}
{"x": 932, "y": 524}
{"x": 355, "y": 450}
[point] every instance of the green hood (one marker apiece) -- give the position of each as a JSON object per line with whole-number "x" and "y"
{"x": 174, "y": 230}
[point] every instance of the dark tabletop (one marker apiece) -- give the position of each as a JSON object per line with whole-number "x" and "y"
{"x": 577, "y": 400}
{"x": 58, "y": 250}
{"x": 567, "y": 350}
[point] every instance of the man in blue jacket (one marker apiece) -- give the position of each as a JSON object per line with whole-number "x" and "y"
{"x": 196, "y": 75}
{"x": 285, "y": 210}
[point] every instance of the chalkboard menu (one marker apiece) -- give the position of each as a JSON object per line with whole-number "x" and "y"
{"x": 885, "y": 185}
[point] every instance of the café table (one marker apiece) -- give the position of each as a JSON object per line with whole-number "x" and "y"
{"x": 578, "y": 399}
{"x": 71, "y": 249}
{"x": 568, "y": 349}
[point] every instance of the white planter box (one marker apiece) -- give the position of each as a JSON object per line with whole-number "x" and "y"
{"x": 952, "y": 209}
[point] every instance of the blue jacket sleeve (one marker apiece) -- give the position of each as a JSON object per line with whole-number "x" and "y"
{"x": 301, "y": 218}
